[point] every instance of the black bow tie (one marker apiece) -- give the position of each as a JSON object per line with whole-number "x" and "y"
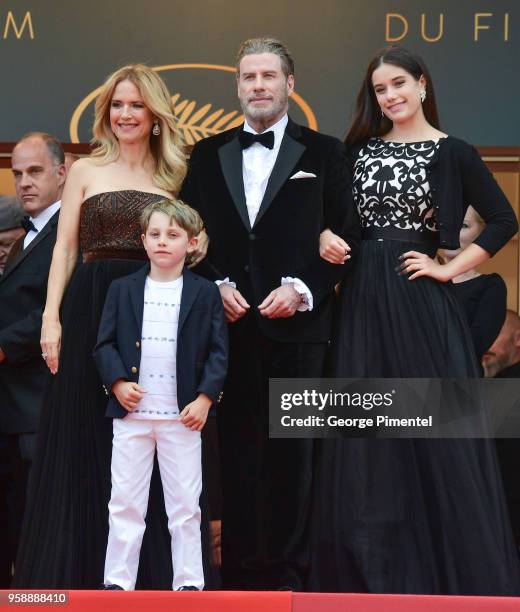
{"x": 27, "y": 224}
{"x": 248, "y": 138}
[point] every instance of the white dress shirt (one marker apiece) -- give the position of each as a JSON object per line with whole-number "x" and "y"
{"x": 257, "y": 164}
{"x": 40, "y": 222}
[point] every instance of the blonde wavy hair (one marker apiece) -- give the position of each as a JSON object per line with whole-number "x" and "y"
{"x": 167, "y": 148}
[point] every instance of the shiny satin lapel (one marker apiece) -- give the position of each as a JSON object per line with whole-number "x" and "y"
{"x": 288, "y": 156}
{"x": 190, "y": 289}
{"x": 230, "y": 156}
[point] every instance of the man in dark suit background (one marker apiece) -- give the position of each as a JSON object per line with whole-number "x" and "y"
{"x": 265, "y": 192}
{"x": 39, "y": 174}
{"x": 11, "y": 215}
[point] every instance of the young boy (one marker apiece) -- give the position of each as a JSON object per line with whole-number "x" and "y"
{"x": 162, "y": 355}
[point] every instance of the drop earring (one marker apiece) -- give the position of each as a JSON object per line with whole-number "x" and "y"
{"x": 156, "y": 129}
{"x": 422, "y": 95}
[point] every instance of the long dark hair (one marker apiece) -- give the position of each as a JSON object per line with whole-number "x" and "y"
{"x": 368, "y": 121}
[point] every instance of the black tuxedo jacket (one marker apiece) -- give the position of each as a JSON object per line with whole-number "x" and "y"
{"x": 23, "y": 290}
{"x": 284, "y": 240}
{"x": 202, "y": 341}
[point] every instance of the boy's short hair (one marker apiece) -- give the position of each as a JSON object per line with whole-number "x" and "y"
{"x": 184, "y": 216}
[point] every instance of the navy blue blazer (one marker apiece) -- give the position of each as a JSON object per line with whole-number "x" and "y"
{"x": 202, "y": 340}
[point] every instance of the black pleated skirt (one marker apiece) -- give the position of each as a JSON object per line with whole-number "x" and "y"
{"x": 407, "y": 515}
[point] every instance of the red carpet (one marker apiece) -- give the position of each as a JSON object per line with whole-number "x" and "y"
{"x": 227, "y": 601}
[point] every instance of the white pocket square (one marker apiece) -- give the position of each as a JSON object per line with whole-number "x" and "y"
{"x": 302, "y": 174}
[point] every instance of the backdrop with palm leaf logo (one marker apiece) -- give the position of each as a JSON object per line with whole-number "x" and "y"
{"x": 54, "y": 55}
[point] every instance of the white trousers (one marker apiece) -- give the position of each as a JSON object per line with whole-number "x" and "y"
{"x": 179, "y": 455}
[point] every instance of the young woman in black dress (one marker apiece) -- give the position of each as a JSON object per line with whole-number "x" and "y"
{"x": 411, "y": 515}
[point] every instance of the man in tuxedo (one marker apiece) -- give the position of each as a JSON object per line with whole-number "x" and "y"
{"x": 265, "y": 191}
{"x": 39, "y": 175}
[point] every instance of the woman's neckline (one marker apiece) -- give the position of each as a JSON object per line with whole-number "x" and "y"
{"x": 100, "y": 193}
{"x": 412, "y": 142}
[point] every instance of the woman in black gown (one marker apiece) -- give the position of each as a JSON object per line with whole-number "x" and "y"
{"x": 411, "y": 515}
{"x": 137, "y": 160}
{"x": 483, "y": 296}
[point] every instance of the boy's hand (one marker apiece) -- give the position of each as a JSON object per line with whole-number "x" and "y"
{"x": 195, "y": 413}
{"x": 128, "y": 394}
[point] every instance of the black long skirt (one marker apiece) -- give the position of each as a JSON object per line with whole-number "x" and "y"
{"x": 408, "y": 515}
{"x": 65, "y": 526}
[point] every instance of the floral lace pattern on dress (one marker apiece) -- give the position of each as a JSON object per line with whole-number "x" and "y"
{"x": 391, "y": 187}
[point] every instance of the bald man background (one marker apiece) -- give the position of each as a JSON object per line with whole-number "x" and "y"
{"x": 39, "y": 174}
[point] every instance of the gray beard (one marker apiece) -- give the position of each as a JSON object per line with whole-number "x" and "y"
{"x": 264, "y": 115}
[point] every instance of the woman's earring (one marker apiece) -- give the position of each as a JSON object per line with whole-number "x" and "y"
{"x": 156, "y": 129}
{"x": 382, "y": 114}
{"x": 422, "y": 95}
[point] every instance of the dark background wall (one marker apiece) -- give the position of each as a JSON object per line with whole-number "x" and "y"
{"x": 75, "y": 44}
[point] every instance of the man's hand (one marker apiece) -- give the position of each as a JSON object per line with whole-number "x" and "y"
{"x": 280, "y": 303}
{"x": 235, "y": 306}
{"x": 200, "y": 251}
{"x": 195, "y": 414}
{"x": 2, "y": 355}
{"x": 128, "y": 394}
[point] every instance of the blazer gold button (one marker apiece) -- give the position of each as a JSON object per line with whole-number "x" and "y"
{"x": 133, "y": 369}
{"x": 137, "y": 344}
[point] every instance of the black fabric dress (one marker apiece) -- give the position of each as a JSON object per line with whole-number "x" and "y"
{"x": 484, "y": 299}
{"x": 65, "y": 527}
{"x": 405, "y": 516}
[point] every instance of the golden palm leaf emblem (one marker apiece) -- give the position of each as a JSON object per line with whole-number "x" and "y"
{"x": 197, "y": 123}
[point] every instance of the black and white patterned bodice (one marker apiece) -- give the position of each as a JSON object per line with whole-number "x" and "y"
{"x": 391, "y": 187}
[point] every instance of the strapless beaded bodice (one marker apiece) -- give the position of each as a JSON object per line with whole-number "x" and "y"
{"x": 109, "y": 224}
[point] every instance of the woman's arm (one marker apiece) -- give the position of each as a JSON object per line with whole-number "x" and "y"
{"x": 63, "y": 262}
{"x": 481, "y": 190}
{"x": 419, "y": 264}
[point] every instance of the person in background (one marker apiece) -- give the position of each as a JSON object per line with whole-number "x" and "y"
{"x": 11, "y": 215}
{"x": 502, "y": 360}
{"x": 483, "y": 296}
{"x": 39, "y": 175}
{"x": 70, "y": 158}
